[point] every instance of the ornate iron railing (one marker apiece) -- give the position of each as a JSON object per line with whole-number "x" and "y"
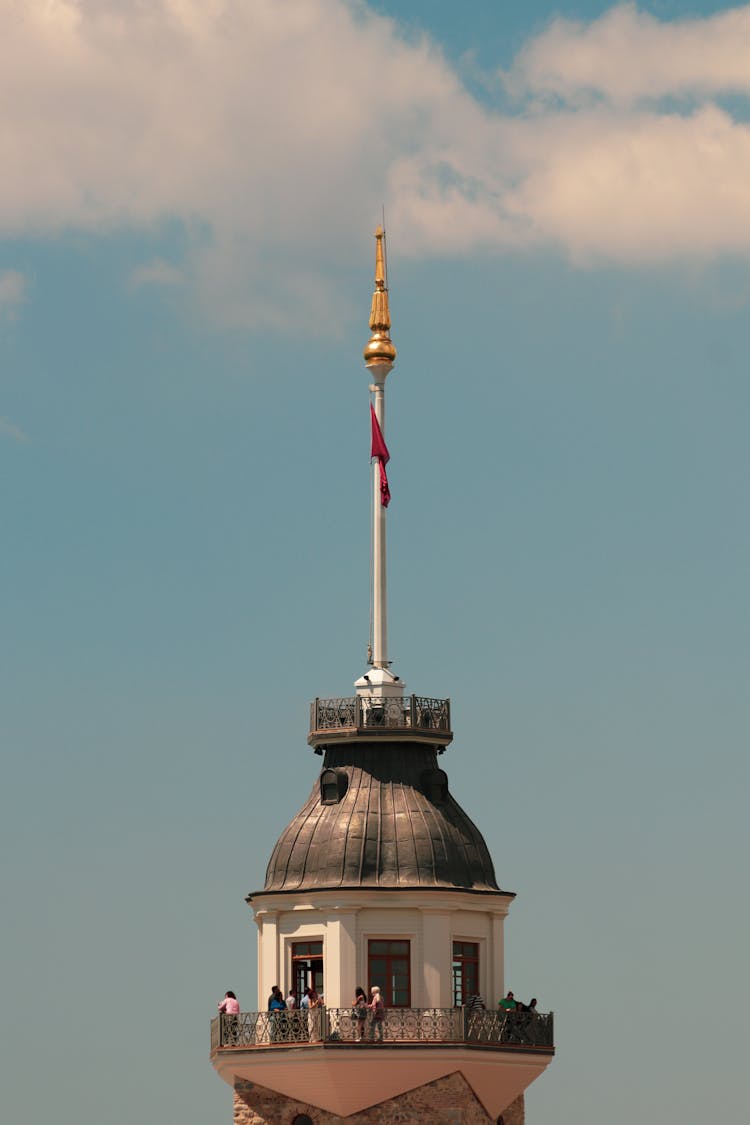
{"x": 360, "y": 715}
{"x": 400, "y": 1025}
{"x": 262, "y": 1029}
{"x": 520, "y": 1029}
{"x": 529, "y": 1030}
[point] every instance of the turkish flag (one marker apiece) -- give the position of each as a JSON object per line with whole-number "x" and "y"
{"x": 379, "y": 449}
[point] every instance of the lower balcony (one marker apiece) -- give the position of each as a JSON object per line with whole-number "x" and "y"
{"x": 329, "y": 1059}
{"x": 338, "y": 1027}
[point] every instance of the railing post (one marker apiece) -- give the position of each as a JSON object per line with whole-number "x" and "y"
{"x": 413, "y": 711}
{"x": 357, "y": 711}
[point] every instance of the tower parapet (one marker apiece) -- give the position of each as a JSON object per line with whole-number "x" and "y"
{"x": 416, "y": 718}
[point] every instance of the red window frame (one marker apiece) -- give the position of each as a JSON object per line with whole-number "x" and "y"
{"x": 307, "y": 966}
{"x": 465, "y": 971}
{"x": 389, "y": 966}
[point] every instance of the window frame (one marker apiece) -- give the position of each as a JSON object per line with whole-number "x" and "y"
{"x": 308, "y": 959}
{"x": 390, "y": 958}
{"x": 460, "y": 962}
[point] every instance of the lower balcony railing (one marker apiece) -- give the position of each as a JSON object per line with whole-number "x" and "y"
{"x": 529, "y": 1030}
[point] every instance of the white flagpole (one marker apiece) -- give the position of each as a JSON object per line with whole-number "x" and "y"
{"x": 379, "y": 355}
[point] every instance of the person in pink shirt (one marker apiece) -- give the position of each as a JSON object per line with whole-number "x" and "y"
{"x": 230, "y": 1004}
{"x": 229, "y": 1009}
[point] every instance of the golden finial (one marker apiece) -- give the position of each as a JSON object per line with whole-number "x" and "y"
{"x": 379, "y": 348}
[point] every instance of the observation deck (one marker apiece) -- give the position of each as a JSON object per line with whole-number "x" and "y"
{"x": 335, "y": 1027}
{"x": 413, "y": 718}
{"x": 316, "y": 1056}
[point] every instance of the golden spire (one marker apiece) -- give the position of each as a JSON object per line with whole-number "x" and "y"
{"x": 379, "y": 348}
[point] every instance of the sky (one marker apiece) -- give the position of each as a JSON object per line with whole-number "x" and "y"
{"x": 187, "y": 204}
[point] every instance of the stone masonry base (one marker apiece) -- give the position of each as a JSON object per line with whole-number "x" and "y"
{"x": 447, "y": 1101}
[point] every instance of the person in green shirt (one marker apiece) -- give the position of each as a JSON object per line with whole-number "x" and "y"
{"x": 508, "y": 1004}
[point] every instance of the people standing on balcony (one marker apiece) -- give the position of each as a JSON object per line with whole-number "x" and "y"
{"x": 229, "y": 1009}
{"x": 230, "y": 1004}
{"x": 359, "y": 1012}
{"x": 311, "y": 1002}
{"x": 276, "y": 1005}
{"x": 532, "y": 1027}
{"x": 508, "y": 1004}
{"x": 291, "y": 1000}
{"x": 474, "y": 1005}
{"x": 377, "y": 1007}
{"x": 310, "y": 999}
{"x": 276, "y": 1002}
{"x": 522, "y": 1029}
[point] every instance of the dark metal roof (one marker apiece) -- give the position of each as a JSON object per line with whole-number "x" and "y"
{"x": 391, "y": 828}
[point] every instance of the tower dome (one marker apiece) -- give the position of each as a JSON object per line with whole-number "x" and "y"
{"x": 380, "y": 815}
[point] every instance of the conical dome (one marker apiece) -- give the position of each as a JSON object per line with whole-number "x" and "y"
{"x": 380, "y": 815}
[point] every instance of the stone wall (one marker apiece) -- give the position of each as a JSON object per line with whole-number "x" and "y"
{"x": 447, "y": 1101}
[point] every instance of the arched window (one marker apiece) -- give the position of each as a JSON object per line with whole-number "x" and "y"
{"x": 302, "y": 1119}
{"x": 333, "y": 786}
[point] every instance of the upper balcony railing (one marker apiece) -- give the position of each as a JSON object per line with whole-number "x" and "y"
{"x": 530, "y": 1031}
{"x": 412, "y": 718}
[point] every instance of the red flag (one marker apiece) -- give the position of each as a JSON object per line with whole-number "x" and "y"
{"x": 380, "y": 450}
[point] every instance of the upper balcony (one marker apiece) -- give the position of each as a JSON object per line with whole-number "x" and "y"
{"x": 413, "y": 718}
{"x": 337, "y": 1027}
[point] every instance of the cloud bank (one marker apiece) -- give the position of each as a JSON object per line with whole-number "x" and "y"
{"x": 273, "y": 132}
{"x": 627, "y": 55}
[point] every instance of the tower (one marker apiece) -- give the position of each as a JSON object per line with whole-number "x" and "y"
{"x": 381, "y": 879}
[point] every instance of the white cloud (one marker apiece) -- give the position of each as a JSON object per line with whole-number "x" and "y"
{"x": 639, "y": 188}
{"x": 12, "y": 292}
{"x": 627, "y": 55}
{"x": 267, "y": 126}
{"x": 272, "y": 132}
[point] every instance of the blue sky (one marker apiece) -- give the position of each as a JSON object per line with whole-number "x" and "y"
{"x": 186, "y": 218}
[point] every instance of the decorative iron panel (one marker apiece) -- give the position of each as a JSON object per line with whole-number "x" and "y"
{"x": 263, "y": 1029}
{"x": 335, "y": 714}
{"x": 522, "y": 1029}
{"x": 431, "y": 714}
{"x": 415, "y": 712}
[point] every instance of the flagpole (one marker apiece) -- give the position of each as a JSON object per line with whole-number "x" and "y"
{"x": 379, "y": 355}
{"x": 379, "y": 572}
